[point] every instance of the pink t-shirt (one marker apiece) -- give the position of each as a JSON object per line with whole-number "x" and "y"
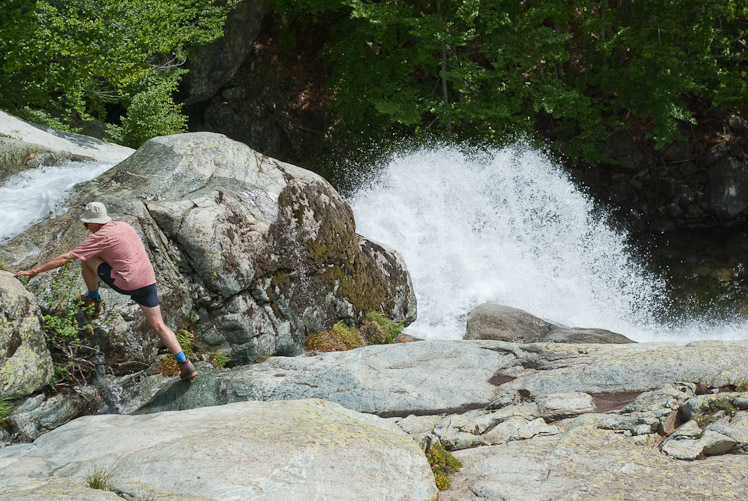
{"x": 119, "y": 245}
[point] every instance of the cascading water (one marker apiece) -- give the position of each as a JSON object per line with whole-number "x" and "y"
{"x": 32, "y": 195}
{"x": 508, "y": 227}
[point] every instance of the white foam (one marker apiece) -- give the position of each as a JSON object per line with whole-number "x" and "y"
{"x": 32, "y": 195}
{"x": 509, "y": 227}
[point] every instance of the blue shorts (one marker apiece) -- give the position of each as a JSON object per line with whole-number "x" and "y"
{"x": 145, "y": 296}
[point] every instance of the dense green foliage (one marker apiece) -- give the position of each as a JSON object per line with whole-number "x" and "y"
{"x": 151, "y": 113}
{"x": 486, "y": 69}
{"x": 74, "y": 57}
{"x": 480, "y": 70}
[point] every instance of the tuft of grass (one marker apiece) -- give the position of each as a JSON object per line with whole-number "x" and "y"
{"x": 726, "y": 405}
{"x": 6, "y": 409}
{"x": 378, "y": 329}
{"x": 218, "y": 359}
{"x": 339, "y": 338}
{"x": 442, "y": 464}
{"x": 740, "y": 384}
{"x": 185, "y": 341}
{"x": 704, "y": 420}
{"x": 99, "y": 479}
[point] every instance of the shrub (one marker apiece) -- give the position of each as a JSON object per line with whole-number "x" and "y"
{"x": 339, "y": 338}
{"x": 63, "y": 323}
{"x": 151, "y": 113}
{"x": 378, "y": 329}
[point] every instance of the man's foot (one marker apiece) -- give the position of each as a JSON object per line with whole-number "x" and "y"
{"x": 91, "y": 306}
{"x": 186, "y": 371}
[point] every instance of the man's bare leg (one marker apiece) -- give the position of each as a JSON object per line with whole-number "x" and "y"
{"x": 90, "y": 272}
{"x": 156, "y": 322}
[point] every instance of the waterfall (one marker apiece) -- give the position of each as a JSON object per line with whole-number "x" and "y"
{"x": 507, "y": 226}
{"x": 32, "y": 195}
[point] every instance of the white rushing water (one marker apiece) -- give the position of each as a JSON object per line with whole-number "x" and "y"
{"x": 509, "y": 227}
{"x": 30, "y": 196}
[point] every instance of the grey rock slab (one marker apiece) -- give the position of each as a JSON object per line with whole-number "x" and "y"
{"x": 598, "y": 368}
{"x": 669, "y": 397}
{"x": 62, "y": 142}
{"x": 309, "y": 449}
{"x": 565, "y": 404}
{"x": 736, "y": 428}
{"x": 590, "y": 463}
{"x": 446, "y": 377}
{"x": 436, "y": 377}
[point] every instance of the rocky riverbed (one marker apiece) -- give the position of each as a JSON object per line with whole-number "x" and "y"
{"x": 254, "y": 255}
{"x": 528, "y": 421}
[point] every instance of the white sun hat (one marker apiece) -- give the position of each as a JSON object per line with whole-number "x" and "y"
{"x": 95, "y": 213}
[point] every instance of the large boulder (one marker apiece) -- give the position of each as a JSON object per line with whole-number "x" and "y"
{"x": 307, "y": 449}
{"x": 504, "y": 323}
{"x": 250, "y": 253}
{"x": 25, "y": 362}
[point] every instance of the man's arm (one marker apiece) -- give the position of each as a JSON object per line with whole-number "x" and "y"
{"x": 60, "y": 260}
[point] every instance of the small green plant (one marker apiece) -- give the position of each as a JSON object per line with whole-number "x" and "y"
{"x": 442, "y": 464}
{"x": 99, "y": 479}
{"x": 218, "y": 359}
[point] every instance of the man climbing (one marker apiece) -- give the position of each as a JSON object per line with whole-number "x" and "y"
{"x": 114, "y": 253}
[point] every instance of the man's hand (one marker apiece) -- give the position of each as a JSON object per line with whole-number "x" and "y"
{"x": 49, "y": 265}
{"x": 30, "y": 273}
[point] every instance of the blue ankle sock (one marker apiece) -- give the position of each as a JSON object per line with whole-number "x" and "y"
{"x": 181, "y": 357}
{"x": 94, "y": 294}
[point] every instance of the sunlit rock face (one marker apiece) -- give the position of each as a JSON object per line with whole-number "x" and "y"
{"x": 250, "y": 253}
{"x": 25, "y": 362}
